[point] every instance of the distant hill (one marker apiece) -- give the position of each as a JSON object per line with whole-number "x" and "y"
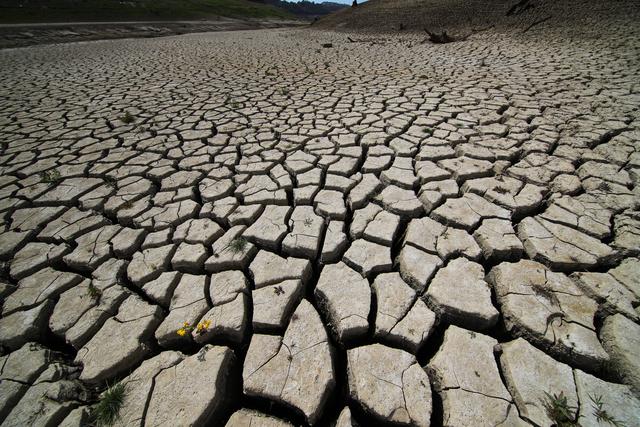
{"x": 305, "y": 9}
{"x": 471, "y": 15}
{"x": 28, "y": 11}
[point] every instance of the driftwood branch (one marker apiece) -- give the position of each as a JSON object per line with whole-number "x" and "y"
{"x": 443, "y": 37}
{"x": 539, "y": 21}
{"x": 367, "y": 40}
{"x": 520, "y": 7}
{"x": 439, "y": 38}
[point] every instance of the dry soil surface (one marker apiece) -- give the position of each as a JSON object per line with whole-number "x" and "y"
{"x": 251, "y": 228}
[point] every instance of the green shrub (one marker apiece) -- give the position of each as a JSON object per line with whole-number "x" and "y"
{"x": 108, "y": 409}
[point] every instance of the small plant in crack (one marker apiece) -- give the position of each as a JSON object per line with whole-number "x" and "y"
{"x": 278, "y": 290}
{"x": 284, "y": 91}
{"x": 106, "y": 412}
{"x": 110, "y": 181}
{"x": 51, "y": 176}
{"x": 127, "y": 118}
{"x": 185, "y": 329}
{"x": 128, "y": 204}
{"x": 94, "y": 292}
{"x": 604, "y": 186}
{"x": 238, "y": 245}
{"x": 558, "y": 409}
{"x": 201, "y": 328}
{"x": 601, "y": 414}
{"x": 427, "y": 131}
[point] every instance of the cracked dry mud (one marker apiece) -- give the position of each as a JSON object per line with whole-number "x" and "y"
{"x": 377, "y": 232}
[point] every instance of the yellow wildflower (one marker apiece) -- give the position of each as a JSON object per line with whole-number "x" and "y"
{"x": 182, "y": 332}
{"x": 203, "y": 326}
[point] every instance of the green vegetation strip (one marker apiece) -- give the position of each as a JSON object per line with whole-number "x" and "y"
{"x": 14, "y": 11}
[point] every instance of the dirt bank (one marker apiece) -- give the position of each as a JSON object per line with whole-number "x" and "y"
{"x": 19, "y": 35}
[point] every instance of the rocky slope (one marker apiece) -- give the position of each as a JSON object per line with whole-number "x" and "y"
{"x": 466, "y": 16}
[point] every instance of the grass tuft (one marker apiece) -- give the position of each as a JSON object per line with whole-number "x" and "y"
{"x": 128, "y": 204}
{"x": 237, "y": 245}
{"x": 127, "y": 118}
{"x": 50, "y": 176}
{"x": 559, "y": 410}
{"x": 110, "y": 181}
{"x": 601, "y": 414}
{"x": 94, "y": 292}
{"x": 108, "y": 409}
{"x": 604, "y": 186}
